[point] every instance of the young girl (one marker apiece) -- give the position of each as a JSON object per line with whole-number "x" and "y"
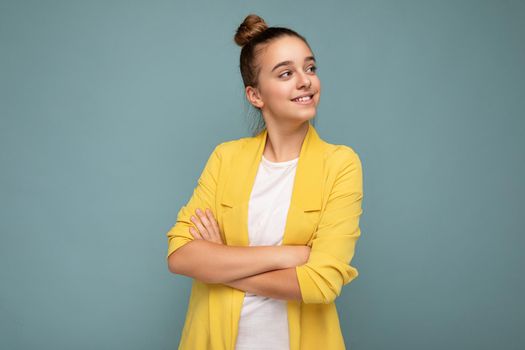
{"x": 270, "y": 230}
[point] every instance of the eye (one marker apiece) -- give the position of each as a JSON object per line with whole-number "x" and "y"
{"x": 313, "y": 68}
{"x": 282, "y": 75}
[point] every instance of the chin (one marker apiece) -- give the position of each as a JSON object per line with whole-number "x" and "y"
{"x": 303, "y": 117}
{"x": 309, "y": 113}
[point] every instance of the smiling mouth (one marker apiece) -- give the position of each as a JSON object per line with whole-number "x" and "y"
{"x": 303, "y": 99}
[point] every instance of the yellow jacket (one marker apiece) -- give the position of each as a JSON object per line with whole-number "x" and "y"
{"x": 324, "y": 214}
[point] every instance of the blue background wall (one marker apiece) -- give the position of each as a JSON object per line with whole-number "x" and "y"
{"x": 109, "y": 110}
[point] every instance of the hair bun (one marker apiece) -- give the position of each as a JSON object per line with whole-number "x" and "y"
{"x": 249, "y": 28}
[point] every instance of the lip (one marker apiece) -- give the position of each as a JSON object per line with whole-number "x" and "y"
{"x": 303, "y": 95}
{"x": 306, "y": 103}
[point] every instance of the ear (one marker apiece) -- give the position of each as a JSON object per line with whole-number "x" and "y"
{"x": 254, "y": 97}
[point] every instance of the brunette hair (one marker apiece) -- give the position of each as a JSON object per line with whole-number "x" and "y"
{"x": 253, "y": 34}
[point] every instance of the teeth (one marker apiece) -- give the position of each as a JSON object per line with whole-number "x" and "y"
{"x": 302, "y": 99}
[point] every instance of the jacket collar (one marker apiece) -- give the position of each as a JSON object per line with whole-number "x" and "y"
{"x": 308, "y": 183}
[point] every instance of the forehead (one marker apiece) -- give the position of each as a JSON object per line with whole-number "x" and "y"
{"x": 287, "y": 48}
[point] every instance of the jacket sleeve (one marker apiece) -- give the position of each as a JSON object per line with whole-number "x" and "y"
{"x": 203, "y": 197}
{"x": 328, "y": 267}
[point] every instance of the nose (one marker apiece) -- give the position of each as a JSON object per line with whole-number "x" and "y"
{"x": 304, "y": 81}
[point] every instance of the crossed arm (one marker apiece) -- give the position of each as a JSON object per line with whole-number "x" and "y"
{"x": 263, "y": 270}
{"x": 277, "y": 284}
{"x": 267, "y": 270}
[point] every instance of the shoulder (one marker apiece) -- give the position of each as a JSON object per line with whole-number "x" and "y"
{"x": 344, "y": 169}
{"x": 226, "y": 149}
{"x": 338, "y": 156}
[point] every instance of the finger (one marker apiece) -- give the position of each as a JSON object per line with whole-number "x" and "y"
{"x": 195, "y": 233}
{"x": 214, "y": 225}
{"x": 200, "y": 227}
{"x": 210, "y": 226}
{"x": 212, "y": 220}
{"x": 206, "y": 223}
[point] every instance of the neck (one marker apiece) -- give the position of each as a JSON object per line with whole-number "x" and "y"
{"x": 283, "y": 142}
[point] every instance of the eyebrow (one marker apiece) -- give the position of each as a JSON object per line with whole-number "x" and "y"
{"x": 286, "y": 63}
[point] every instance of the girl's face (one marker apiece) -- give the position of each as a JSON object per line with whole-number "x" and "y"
{"x": 287, "y": 71}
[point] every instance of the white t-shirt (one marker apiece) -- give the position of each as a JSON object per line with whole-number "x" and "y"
{"x": 264, "y": 321}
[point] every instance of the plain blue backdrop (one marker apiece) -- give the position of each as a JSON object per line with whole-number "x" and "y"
{"x": 109, "y": 110}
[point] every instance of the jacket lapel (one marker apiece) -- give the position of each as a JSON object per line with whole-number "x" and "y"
{"x": 306, "y": 200}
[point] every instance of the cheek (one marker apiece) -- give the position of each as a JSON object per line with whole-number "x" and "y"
{"x": 280, "y": 94}
{"x": 316, "y": 83}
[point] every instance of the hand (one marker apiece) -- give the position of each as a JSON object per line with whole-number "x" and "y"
{"x": 301, "y": 254}
{"x": 295, "y": 255}
{"x": 208, "y": 228}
